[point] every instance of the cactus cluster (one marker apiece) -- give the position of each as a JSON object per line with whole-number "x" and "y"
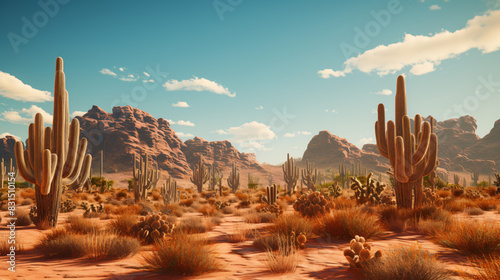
{"x": 334, "y": 190}
{"x": 412, "y": 155}
{"x": 310, "y": 176}
{"x": 5, "y": 171}
{"x": 92, "y": 210}
{"x": 169, "y": 192}
{"x": 290, "y": 174}
{"x": 146, "y": 176}
{"x": 200, "y": 175}
{"x": 312, "y": 204}
{"x": 360, "y": 252}
{"x": 220, "y": 205}
{"x": 432, "y": 198}
{"x": 475, "y": 175}
{"x": 472, "y": 194}
{"x": 233, "y": 181}
{"x": 152, "y": 228}
{"x": 371, "y": 192}
{"x": 67, "y": 206}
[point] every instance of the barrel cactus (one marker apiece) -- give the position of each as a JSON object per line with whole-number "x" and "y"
{"x": 360, "y": 252}
{"x": 152, "y": 228}
{"x": 312, "y": 204}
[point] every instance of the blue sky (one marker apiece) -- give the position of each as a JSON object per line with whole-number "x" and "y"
{"x": 267, "y": 75}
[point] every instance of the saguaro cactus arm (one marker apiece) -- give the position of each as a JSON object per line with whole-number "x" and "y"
{"x": 290, "y": 173}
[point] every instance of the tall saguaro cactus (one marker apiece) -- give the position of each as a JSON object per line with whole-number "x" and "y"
{"x": 55, "y": 156}
{"x": 233, "y": 181}
{"x": 271, "y": 195}
{"x": 169, "y": 192}
{"x": 214, "y": 177}
{"x": 200, "y": 175}
{"x": 412, "y": 155}
{"x": 3, "y": 171}
{"x": 290, "y": 174}
{"x": 145, "y": 175}
{"x": 474, "y": 176}
{"x": 309, "y": 176}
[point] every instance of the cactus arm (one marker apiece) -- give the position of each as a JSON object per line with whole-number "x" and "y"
{"x": 400, "y": 105}
{"x": 391, "y": 142}
{"x": 38, "y": 149}
{"x": 49, "y": 168}
{"x": 31, "y": 146}
{"x": 432, "y": 154}
{"x": 423, "y": 144}
{"x": 399, "y": 169}
{"x": 380, "y": 131}
{"x": 407, "y": 146}
{"x": 25, "y": 171}
{"x": 69, "y": 166}
{"x": 79, "y": 162}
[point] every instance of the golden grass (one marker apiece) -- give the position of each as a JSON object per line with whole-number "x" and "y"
{"x": 23, "y": 218}
{"x": 194, "y": 225}
{"x": 122, "y": 224}
{"x": 259, "y": 217}
{"x": 486, "y": 268}
{"x": 240, "y": 234}
{"x": 81, "y": 226}
{"x": 108, "y": 246}
{"x": 345, "y": 224}
{"x": 285, "y": 259}
{"x": 291, "y": 224}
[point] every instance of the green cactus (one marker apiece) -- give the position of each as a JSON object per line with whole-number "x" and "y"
{"x": 475, "y": 175}
{"x": 290, "y": 174}
{"x": 343, "y": 175}
{"x": 3, "y": 171}
{"x": 371, "y": 192}
{"x": 200, "y": 175}
{"x": 214, "y": 177}
{"x": 271, "y": 195}
{"x": 144, "y": 177}
{"x": 334, "y": 190}
{"x": 233, "y": 181}
{"x": 412, "y": 155}
{"x": 55, "y": 156}
{"x": 169, "y": 192}
{"x": 310, "y": 176}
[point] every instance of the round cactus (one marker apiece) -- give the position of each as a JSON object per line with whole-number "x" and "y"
{"x": 152, "y": 227}
{"x": 359, "y": 252}
{"x": 312, "y": 204}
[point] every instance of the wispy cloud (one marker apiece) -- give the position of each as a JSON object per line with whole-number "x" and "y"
{"x": 106, "y": 71}
{"x": 13, "y": 88}
{"x": 184, "y": 135}
{"x": 384, "y": 92}
{"x": 434, "y": 7}
{"x": 331, "y": 111}
{"x": 260, "y": 107}
{"x": 293, "y": 134}
{"x": 251, "y": 135}
{"x": 26, "y": 115}
{"x": 5, "y": 134}
{"x": 197, "y": 84}
{"x": 424, "y": 53}
{"x": 78, "y": 113}
{"x": 364, "y": 141}
{"x": 181, "y": 104}
{"x": 181, "y": 122}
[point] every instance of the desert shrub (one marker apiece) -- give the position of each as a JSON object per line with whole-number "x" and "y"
{"x": 5, "y": 246}
{"x": 393, "y": 218}
{"x": 194, "y": 225}
{"x": 182, "y": 254}
{"x": 342, "y": 202}
{"x": 487, "y": 204}
{"x": 293, "y": 224}
{"x": 23, "y": 218}
{"x": 458, "y": 205}
{"x": 474, "y": 211}
{"x": 285, "y": 259}
{"x": 345, "y": 224}
{"x": 62, "y": 245}
{"x": 208, "y": 210}
{"x": 470, "y": 237}
{"x": 27, "y": 201}
{"x": 186, "y": 202}
{"x": 28, "y": 193}
{"x": 240, "y": 234}
{"x": 109, "y": 246}
{"x": 127, "y": 209}
{"x": 155, "y": 196}
{"x": 260, "y": 217}
{"x": 405, "y": 263}
{"x": 228, "y": 210}
{"x": 123, "y": 224}
{"x": 443, "y": 193}
{"x": 121, "y": 195}
{"x": 241, "y": 196}
{"x": 215, "y": 220}
{"x": 482, "y": 184}
{"x": 81, "y": 226}
{"x": 486, "y": 268}
{"x": 491, "y": 191}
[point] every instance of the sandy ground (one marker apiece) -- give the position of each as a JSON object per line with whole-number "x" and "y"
{"x": 322, "y": 259}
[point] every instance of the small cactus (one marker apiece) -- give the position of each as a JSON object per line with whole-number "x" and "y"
{"x": 431, "y": 197}
{"x": 334, "y": 190}
{"x": 312, "y": 204}
{"x": 360, "y": 252}
{"x": 92, "y": 210}
{"x": 220, "y": 205}
{"x": 152, "y": 228}
{"x": 371, "y": 192}
{"x": 67, "y": 206}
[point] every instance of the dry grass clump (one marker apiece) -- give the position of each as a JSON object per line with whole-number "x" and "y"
{"x": 109, "y": 246}
{"x": 122, "y": 224}
{"x": 288, "y": 199}
{"x": 259, "y": 217}
{"x": 63, "y": 246}
{"x": 443, "y": 193}
{"x": 345, "y": 224}
{"x": 343, "y": 202}
{"x": 291, "y": 224}
{"x": 81, "y": 226}
{"x": 228, "y": 210}
{"x": 393, "y": 218}
{"x": 405, "y": 263}
{"x": 487, "y": 204}
{"x": 458, "y": 205}
{"x": 474, "y": 211}
{"x": 27, "y": 201}
{"x": 285, "y": 259}
{"x": 470, "y": 237}
{"x": 28, "y": 193}
{"x": 241, "y": 196}
{"x": 182, "y": 254}
{"x": 23, "y": 218}
{"x": 187, "y": 202}
{"x": 240, "y": 234}
{"x": 194, "y": 225}
{"x": 486, "y": 268}
{"x": 208, "y": 210}
{"x": 126, "y": 209}
{"x": 5, "y": 246}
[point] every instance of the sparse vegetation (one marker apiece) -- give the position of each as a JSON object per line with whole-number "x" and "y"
{"x": 345, "y": 224}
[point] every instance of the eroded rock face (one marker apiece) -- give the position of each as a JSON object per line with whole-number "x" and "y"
{"x": 487, "y": 148}
{"x": 7, "y": 148}
{"x": 220, "y": 153}
{"x": 128, "y": 131}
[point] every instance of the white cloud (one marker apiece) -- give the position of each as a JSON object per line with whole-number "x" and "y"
{"x": 260, "y": 107}
{"x": 221, "y": 131}
{"x": 181, "y": 104}
{"x": 254, "y": 145}
{"x": 13, "y": 88}
{"x": 148, "y": 81}
{"x": 121, "y": 69}
{"x": 78, "y": 113}
{"x": 289, "y": 135}
{"x": 184, "y": 135}
{"x": 364, "y": 141}
{"x": 434, "y": 7}
{"x": 130, "y": 76}
{"x": 3, "y": 135}
{"x": 128, "y": 79}
{"x": 331, "y": 111}
{"x": 26, "y": 116}
{"x": 146, "y": 74}
{"x": 185, "y": 123}
{"x": 106, "y": 71}
{"x": 250, "y": 136}
{"x": 384, "y": 92}
{"x": 197, "y": 84}
{"x": 423, "y": 53}
{"x": 171, "y": 122}
{"x": 304, "y": 132}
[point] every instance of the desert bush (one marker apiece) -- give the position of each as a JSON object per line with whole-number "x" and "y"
{"x": 241, "y": 196}
{"x": 458, "y": 205}
{"x": 405, "y": 263}
{"x": 121, "y": 195}
{"x": 182, "y": 254}
{"x": 126, "y": 209}
{"x": 345, "y": 224}
{"x": 474, "y": 211}
{"x": 109, "y": 246}
{"x": 260, "y": 217}
{"x": 470, "y": 237}
{"x": 228, "y": 210}
{"x": 123, "y": 224}
{"x": 240, "y": 234}
{"x": 486, "y": 268}
{"x": 186, "y": 202}
{"x": 393, "y": 218}
{"x": 342, "y": 202}
{"x": 285, "y": 259}
{"x": 23, "y": 218}
{"x": 28, "y": 193}
{"x": 293, "y": 224}
{"x": 208, "y": 210}
{"x": 81, "y": 226}
{"x": 62, "y": 245}
{"x": 487, "y": 204}
{"x": 194, "y": 225}
{"x": 27, "y": 201}
{"x": 443, "y": 193}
